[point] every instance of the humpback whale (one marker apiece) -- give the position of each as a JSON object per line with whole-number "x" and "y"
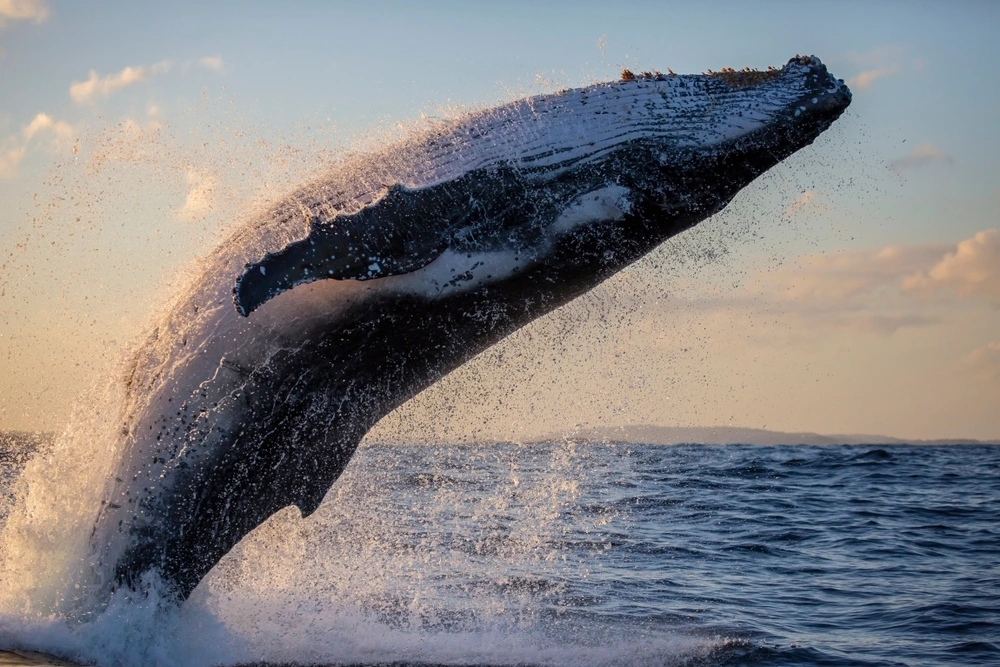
{"x": 361, "y": 289}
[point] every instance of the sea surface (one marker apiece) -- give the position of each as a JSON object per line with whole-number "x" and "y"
{"x": 574, "y": 553}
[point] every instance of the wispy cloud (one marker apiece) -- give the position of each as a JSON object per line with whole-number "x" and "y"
{"x": 877, "y": 291}
{"x": 841, "y": 276}
{"x": 97, "y": 86}
{"x": 921, "y": 155}
{"x": 200, "y": 200}
{"x": 10, "y": 157}
{"x": 985, "y": 360}
{"x": 971, "y": 270}
{"x": 44, "y": 122}
{"x": 879, "y": 63}
{"x": 803, "y": 202}
{"x": 855, "y": 290}
{"x": 87, "y": 92}
{"x": 877, "y": 56}
{"x": 213, "y": 63}
{"x": 23, "y": 10}
{"x": 14, "y": 148}
{"x": 866, "y": 78}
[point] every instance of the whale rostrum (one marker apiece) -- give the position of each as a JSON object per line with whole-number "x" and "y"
{"x": 365, "y": 287}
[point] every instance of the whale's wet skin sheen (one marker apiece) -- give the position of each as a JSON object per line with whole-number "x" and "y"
{"x": 361, "y": 289}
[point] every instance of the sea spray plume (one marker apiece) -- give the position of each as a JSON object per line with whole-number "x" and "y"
{"x": 361, "y": 289}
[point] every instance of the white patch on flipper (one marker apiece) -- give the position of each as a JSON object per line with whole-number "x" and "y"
{"x": 607, "y": 204}
{"x": 458, "y": 272}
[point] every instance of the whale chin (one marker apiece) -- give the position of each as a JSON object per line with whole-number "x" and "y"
{"x": 360, "y": 290}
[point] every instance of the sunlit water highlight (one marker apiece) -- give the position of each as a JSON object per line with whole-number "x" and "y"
{"x": 595, "y": 554}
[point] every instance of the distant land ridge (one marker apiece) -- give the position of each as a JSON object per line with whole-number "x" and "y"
{"x": 734, "y": 435}
{"x": 26, "y": 442}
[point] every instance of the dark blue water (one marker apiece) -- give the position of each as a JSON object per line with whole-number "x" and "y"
{"x": 843, "y": 555}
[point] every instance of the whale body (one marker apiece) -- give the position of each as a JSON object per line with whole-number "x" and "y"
{"x": 358, "y": 291}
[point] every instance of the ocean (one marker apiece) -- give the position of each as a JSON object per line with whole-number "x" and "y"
{"x": 581, "y": 553}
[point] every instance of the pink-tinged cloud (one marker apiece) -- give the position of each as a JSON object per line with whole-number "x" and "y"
{"x": 45, "y": 123}
{"x": 844, "y": 275}
{"x": 200, "y": 200}
{"x": 985, "y": 360}
{"x": 87, "y": 92}
{"x": 9, "y": 159}
{"x": 23, "y": 10}
{"x": 803, "y": 202}
{"x": 882, "y": 323}
{"x": 15, "y": 147}
{"x": 868, "y": 77}
{"x": 877, "y": 291}
{"x": 922, "y": 155}
{"x": 971, "y": 270}
{"x": 213, "y": 63}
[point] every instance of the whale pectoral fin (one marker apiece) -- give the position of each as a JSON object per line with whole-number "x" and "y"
{"x": 321, "y": 256}
{"x": 402, "y": 232}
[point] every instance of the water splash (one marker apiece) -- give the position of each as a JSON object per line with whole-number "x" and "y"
{"x": 44, "y": 560}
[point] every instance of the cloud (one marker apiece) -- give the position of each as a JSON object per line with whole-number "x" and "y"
{"x": 886, "y": 324}
{"x": 200, "y": 201}
{"x": 876, "y": 57}
{"x": 803, "y": 202}
{"x": 845, "y": 275}
{"x": 213, "y": 63}
{"x": 43, "y": 122}
{"x": 879, "y": 63}
{"x": 866, "y": 78}
{"x": 15, "y": 147}
{"x": 22, "y": 10}
{"x": 921, "y": 155}
{"x": 10, "y": 157}
{"x": 874, "y": 291}
{"x": 985, "y": 360}
{"x": 971, "y": 270}
{"x": 87, "y": 92}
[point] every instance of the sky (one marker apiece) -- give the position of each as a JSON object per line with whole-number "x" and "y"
{"x": 855, "y": 288}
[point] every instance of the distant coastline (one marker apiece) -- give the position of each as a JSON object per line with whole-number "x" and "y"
{"x": 732, "y": 435}
{"x": 646, "y": 434}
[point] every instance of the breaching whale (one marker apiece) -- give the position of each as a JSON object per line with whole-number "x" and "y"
{"x": 361, "y": 289}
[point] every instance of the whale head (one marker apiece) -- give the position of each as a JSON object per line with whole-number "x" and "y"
{"x": 500, "y": 187}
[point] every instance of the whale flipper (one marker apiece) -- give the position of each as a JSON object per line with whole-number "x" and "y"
{"x": 403, "y": 231}
{"x": 360, "y": 246}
